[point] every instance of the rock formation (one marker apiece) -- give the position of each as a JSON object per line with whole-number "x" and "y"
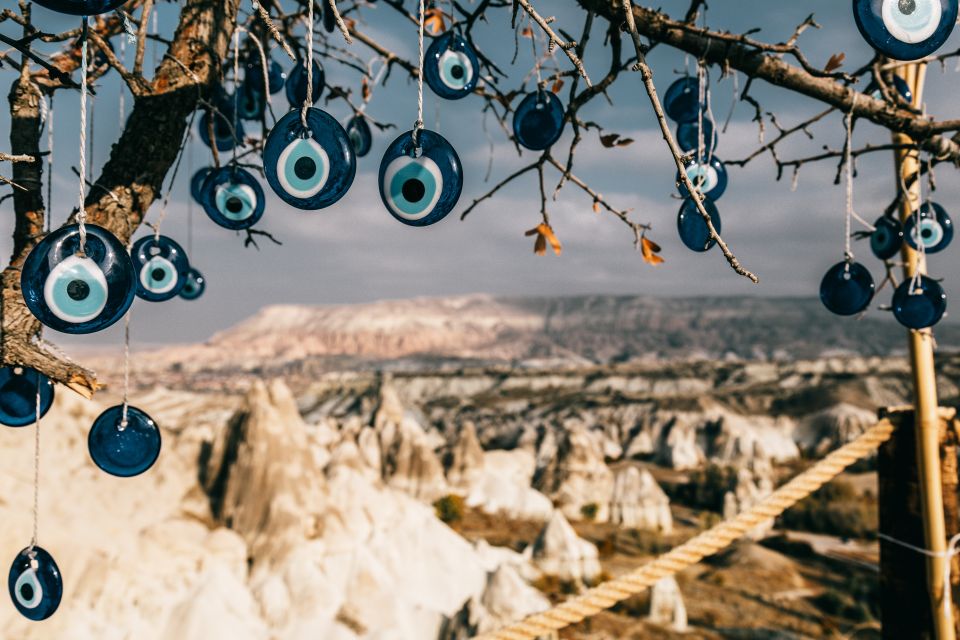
{"x": 666, "y": 605}
{"x": 638, "y": 502}
{"x": 574, "y": 475}
{"x": 559, "y": 551}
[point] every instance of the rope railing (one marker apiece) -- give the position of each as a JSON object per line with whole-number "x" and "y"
{"x": 606, "y": 595}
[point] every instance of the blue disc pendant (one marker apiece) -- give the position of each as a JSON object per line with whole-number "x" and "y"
{"x": 360, "y": 135}
{"x": 899, "y": 85}
{"x": 539, "y": 120}
{"x": 887, "y": 238}
{"x": 847, "y": 288}
{"x": 252, "y": 101}
{"x": 81, "y": 7}
{"x": 905, "y": 29}
{"x": 689, "y": 137}
{"x": 35, "y": 583}
{"x": 420, "y": 189}
{"x": 931, "y": 227}
{"x": 227, "y": 127}
{"x": 78, "y": 292}
{"x": 124, "y": 450}
{"x": 919, "y": 307}
{"x": 196, "y": 183}
{"x": 296, "y": 85}
{"x": 693, "y": 228}
{"x": 276, "y": 76}
{"x": 233, "y": 198}
{"x": 708, "y": 175}
{"x": 194, "y": 285}
{"x": 309, "y": 169}
{"x": 682, "y": 102}
{"x": 18, "y": 395}
{"x": 451, "y": 68}
{"x": 162, "y": 267}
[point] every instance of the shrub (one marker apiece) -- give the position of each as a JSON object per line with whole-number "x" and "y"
{"x": 450, "y": 508}
{"x": 589, "y": 511}
{"x": 836, "y": 509}
{"x": 707, "y": 487}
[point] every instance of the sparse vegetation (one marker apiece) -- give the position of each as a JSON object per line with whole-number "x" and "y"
{"x": 836, "y": 509}
{"x": 450, "y": 508}
{"x": 589, "y": 511}
{"x": 707, "y": 487}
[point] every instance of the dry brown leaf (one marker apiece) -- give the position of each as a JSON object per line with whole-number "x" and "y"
{"x": 544, "y": 235}
{"x": 527, "y": 32}
{"x": 433, "y": 20}
{"x": 365, "y": 89}
{"x": 835, "y": 62}
{"x": 596, "y": 206}
{"x": 557, "y": 86}
{"x": 614, "y": 140}
{"x": 649, "y": 250}
{"x": 623, "y": 142}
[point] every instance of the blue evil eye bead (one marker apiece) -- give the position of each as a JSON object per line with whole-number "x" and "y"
{"x": 78, "y": 292}
{"x": 905, "y": 29}
{"x": 309, "y": 169}
{"x": 886, "y": 238}
{"x": 252, "y": 102}
{"x": 899, "y": 85}
{"x": 539, "y": 120}
{"x": 35, "y": 583}
{"x": 682, "y": 102}
{"x": 162, "y": 267}
{"x": 18, "y": 395}
{"x": 931, "y": 226}
{"x": 689, "y": 137}
{"x": 919, "y": 305}
{"x": 297, "y": 83}
{"x": 124, "y": 449}
{"x": 451, "y": 67}
{"x": 196, "y": 183}
{"x": 707, "y": 174}
{"x": 847, "y": 288}
{"x": 420, "y": 189}
{"x": 227, "y": 127}
{"x": 81, "y": 7}
{"x": 693, "y": 228}
{"x": 276, "y": 76}
{"x": 233, "y": 198}
{"x": 193, "y": 286}
{"x": 360, "y": 135}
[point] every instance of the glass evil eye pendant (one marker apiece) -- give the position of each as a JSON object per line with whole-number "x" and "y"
{"x": 360, "y": 135}
{"x": 689, "y": 136}
{"x": 708, "y": 176}
{"x": 81, "y": 7}
{"x": 930, "y": 226}
{"x": 905, "y": 29}
{"x": 539, "y": 120}
{"x": 233, "y": 198}
{"x": 451, "y": 67}
{"x": 887, "y": 238}
{"x": 296, "y": 86}
{"x": 420, "y": 186}
{"x": 35, "y": 583}
{"x": 682, "y": 102}
{"x": 276, "y": 76}
{"x": 227, "y": 127}
{"x": 78, "y": 292}
{"x": 18, "y": 395}
{"x": 251, "y": 102}
{"x": 918, "y": 306}
{"x": 194, "y": 285}
{"x": 124, "y": 450}
{"x": 161, "y": 266}
{"x": 847, "y": 288}
{"x": 693, "y": 228}
{"x": 309, "y": 169}
{"x": 196, "y": 183}
{"x": 898, "y": 84}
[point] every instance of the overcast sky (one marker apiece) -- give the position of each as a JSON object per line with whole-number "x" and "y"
{"x": 355, "y": 251}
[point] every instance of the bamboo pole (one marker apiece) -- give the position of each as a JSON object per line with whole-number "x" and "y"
{"x": 925, "y": 387}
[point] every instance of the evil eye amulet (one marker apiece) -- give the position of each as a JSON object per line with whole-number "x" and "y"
{"x": 162, "y": 267}
{"x": 35, "y": 583}
{"x": 420, "y": 189}
{"x": 124, "y": 449}
{"x": 297, "y": 83}
{"x": 19, "y": 387}
{"x": 689, "y": 136}
{"x": 682, "y": 102}
{"x": 313, "y": 168}
{"x": 905, "y": 29}
{"x": 451, "y": 67}
{"x": 847, "y": 288}
{"x": 194, "y": 285}
{"x": 276, "y": 76}
{"x": 918, "y": 306}
{"x": 360, "y": 135}
{"x": 196, "y": 183}
{"x": 886, "y": 238}
{"x": 931, "y": 226}
{"x": 898, "y": 84}
{"x": 693, "y": 228}
{"x": 78, "y": 292}
{"x": 252, "y": 101}
{"x": 227, "y": 128}
{"x": 538, "y": 121}
{"x": 233, "y": 198}
{"x": 81, "y": 7}
{"x": 708, "y": 176}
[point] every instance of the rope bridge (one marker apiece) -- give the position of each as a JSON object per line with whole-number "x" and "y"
{"x": 607, "y": 594}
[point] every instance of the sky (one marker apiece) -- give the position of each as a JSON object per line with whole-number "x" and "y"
{"x": 356, "y": 252}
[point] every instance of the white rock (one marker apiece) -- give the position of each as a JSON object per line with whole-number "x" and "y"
{"x": 666, "y": 605}
{"x": 559, "y": 551}
{"x": 638, "y": 502}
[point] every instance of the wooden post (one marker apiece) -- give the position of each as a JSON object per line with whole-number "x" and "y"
{"x": 926, "y": 417}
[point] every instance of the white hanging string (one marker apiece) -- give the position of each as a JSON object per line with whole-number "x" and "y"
{"x": 308, "y": 100}
{"x": 916, "y": 286}
{"x": 126, "y": 367}
{"x": 381, "y": 72}
{"x": 34, "y": 540}
{"x": 236, "y": 92}
{"x": 418, "y": 125}
{"x": 82, "y": 212}
{"x": 265, "y": 65}
{"x": 946, "y": 555}
{"x": 851, "y": 214}
{"x": 49, "y": 164}
{"x": 123, "y": 58}
{"x": 536, "y": 56}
